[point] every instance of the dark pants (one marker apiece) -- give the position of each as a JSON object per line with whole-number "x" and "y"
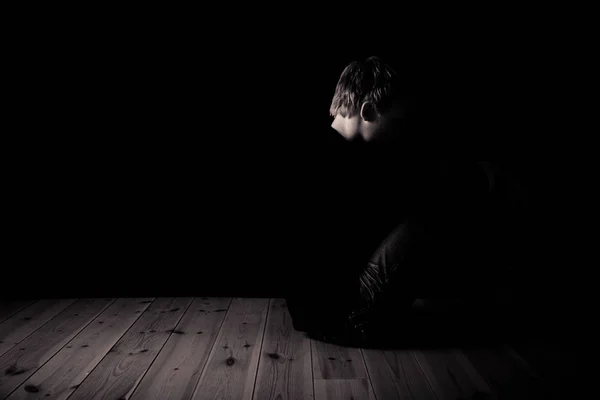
{"x": 459, "y": 245}
{"x": 419, "y": 258}
{"x": 349, "y": 282}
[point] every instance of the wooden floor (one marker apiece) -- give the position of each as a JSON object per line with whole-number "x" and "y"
{"x": 225, "y": 348}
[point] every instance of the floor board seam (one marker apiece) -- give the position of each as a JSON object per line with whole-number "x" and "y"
{"x": 362, "y": 355}
{"x": 19, "y": 310}
{"x": 212, "y": 350}
{"x": 39, "y": 327}
{"x": 161, "y": 348}
{"x": 425, "y": 375}
{"x": 312, "y": 366}
{"x": 117, "y": 341}
{"x": 262, "y": 341}
{"x": 66, "y": 344}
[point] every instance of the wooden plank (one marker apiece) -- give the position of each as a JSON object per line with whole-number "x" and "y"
{"x": 554, "y": 363}
{"x": 395, "y": 374}
{"x": 9, "y": 308}
{"x": 285, "y": 370}
{"x": 335, "y": 389}
{"x": 331, "y": 361}
{"x": 24, "y": 323}
{"x": 507, "y": 378}
{"x": 231, "y": 369}
{"x": 63, "y": 373}
{"x": 451, "y": 375}
{"x": 521, "y": 362}
{"x": 22, "y": 361}
{"x": 118, "y": 374}
{"x": 178, "y": 367}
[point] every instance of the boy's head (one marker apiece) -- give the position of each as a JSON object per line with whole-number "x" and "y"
{"x": 368, "y": 104}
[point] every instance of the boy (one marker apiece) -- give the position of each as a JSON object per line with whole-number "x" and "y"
{"x": 389, "y": 214}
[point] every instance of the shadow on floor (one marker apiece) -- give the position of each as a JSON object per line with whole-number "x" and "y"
{"x": 456, "y": 325}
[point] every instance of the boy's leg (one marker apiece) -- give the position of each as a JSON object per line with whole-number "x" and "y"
{"x": 337, "y": 288}
{"x": 391, "y": 281}
{"x": 382, "y": 286}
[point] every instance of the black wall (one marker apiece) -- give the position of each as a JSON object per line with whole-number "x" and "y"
{"x": 147, "y": 166}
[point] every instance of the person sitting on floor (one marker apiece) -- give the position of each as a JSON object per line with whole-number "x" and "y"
{"x": 392, "y": 221}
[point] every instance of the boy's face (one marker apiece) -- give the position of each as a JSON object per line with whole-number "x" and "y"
{"x": 378, "y": 128}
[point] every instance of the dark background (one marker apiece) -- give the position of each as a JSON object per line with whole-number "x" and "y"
{"x": 153, "y": 162}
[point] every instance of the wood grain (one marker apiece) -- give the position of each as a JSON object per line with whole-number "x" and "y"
{"x": 207, "y": 348}
{"x": 232, "y": 365}
{"x": 118, "y": 374}
{"x": 27, "y": 321}
{"x": 331, "y": 361}
{"x": 451, "y": 376}
{"x": 177, "y": 369}
{"x": 395, "y": 374}
{"x": 555, "y": 362}
{"x": 507, "y": 378}
{"x": 9, "y": 308}
{"x": 64, "y": 372}
{"x": 285, "y": 369}
{"x": 19, "y": 363}
{"x": 336, "y": 389}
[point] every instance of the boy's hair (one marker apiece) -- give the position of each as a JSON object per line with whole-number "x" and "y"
{"x": 372, "y": 81}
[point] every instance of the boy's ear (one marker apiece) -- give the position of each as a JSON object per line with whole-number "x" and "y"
{"x": 368, "y": 112}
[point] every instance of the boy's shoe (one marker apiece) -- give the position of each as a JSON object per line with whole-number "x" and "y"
{"x": 341, "y": 333}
